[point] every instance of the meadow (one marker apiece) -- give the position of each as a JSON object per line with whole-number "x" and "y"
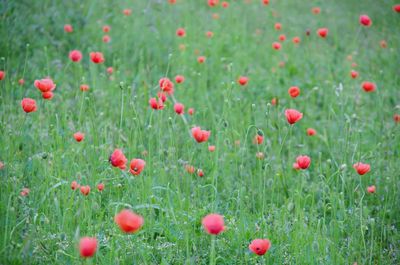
{"x": 199, "y": 132}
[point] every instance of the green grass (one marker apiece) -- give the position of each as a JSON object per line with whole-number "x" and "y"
{"x": 322, "y": 215}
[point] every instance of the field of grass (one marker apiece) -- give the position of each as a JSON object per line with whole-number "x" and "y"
{"x": 324, "y": 214}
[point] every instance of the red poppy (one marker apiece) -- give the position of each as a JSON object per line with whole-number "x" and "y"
{"x": 278, "y": 26}
{"x": 322, "y": 32}
{"x": 265, "y": 2}
{"x": 361, "y": 168}
{"x": 213, "y": 3}
{"x": 172, "y": 1}
{"x": 45, "y": 85}
{"x": 368, "y": 86}
{"x": 28, "y": 105}
{"x": 85, "y": 190}
{"x": 353, "y": 74}
{"x": 68, "y": 28}
{"x": 97, "y": 57}
{"x": 191, "y": 111}
{"x": 260, "y": 246}
{"x": 303, "y": 162}
{"x": 282, "y": 37}
{"x": 74, "y": 185}
{"x": 79, "y": 136}
{"x": 127, "y": 12}
{"x": 20, "y": 82}
{"x": 294, "y": 91}
{"x": 2, "y": 75}
{"x": 311, "y": 132}
{"x": 128, "y": 221}
{"x": 225, "y": 4}
{"x": 258, "y": 139}
{"x": 396, "y": 8}
{"x": 316, "y": 10}
{"x": 296, "y": 40}
{"x": 200, "y": 172}
{"x": 162, "y": 96}
{"x": 106, "y": 28}
{"x": 179, "y": 79}
{"x": 100, "y": 186}
{"x": 179, "y": 108}
{"x": 75, "y": 56}
{"x": 87, "y": 246}
{"x": 200, "y": 135}
{"x": 209, "y": 34}
{"x": 371, "y": 189}
{"x": 156, "y": 104}
{"x": 166, "y": 85}
{"x": 243, "y": 80}
{"x": 118, "y": 159}
{"x": 189, "y": 169}
{"x": 110, "y": 70}
{"x": 137, "y": 166}
{"x": 106, "y": 39}
{"x": 211, "y": 148}
{"x": 274, "y": 101}
{"x": 365, "y": 20}
{"x": 276, "y": 45}
{"x": 24, "y": 192}
{"x": 396, "y": 118}
{"x": 47, "y": 95}
{"x": 84, "y": 87}
{"x": 213, "y": 224}
{"x": 201, "y": 59}
{"x": 293, "y": 116}
{"x": 180, "y": 32}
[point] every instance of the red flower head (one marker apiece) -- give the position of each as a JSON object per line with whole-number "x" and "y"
{"x": 75, "y": 56}
{"x": 353, "y": 74}
{"x": 68, "y": 28}
{"x": 200, "y": 135}
{"x": 278, "y": 26}
{"x": 200, "y": 172}
{"x": 211, "y": 148}
{"x": 276, "y": 45}
{"x": 243, "y": 80}
{"x": 181, "y": 32}
{"x": 137, "y": 166}
{"x": 21, "y": 81}
{"x": 368, "y": 86}
{"x": 258, "y": 139}
{"x": 213, "y": 3}
{"x": 28, "y": 105}
{"x": 322, "y": 32}
{"x": 303, "y": 162}
{"x": 282, "y": 37}
{"x": 2, "y": 75}
{"x": 85, "y": 190}
{"x": 100, "y": 186}
{"x": 87, "y": 246}
{"x": 361, "y": 168}
{"x": 383, "y": 44}
{"x": 74, "y": 185}
{"x": 47, "y": 95}
{"x": 110, "y": 70}
{"x": 209, "y": 34}
{"x": 189, "y": 169}
{"x": 106, "y": 39}
{"x": 128, "y": 221}
{"x": 213, "y": 224}
{"x": 396, "y": 8}
{"x": 191, "y": 111}
{"x": 118, "y": 159}
{"x": 294, "y": 91}
{"x": 265, "y": 2}
{"x": 296, "y": 40}
{"x": 127, "y": 12}
{"x": 311, "y": 132}
{"x": 166, "y": 85}
{"x": 371, "y": 189}
{"x": 201, "y": 59}
{"x": 24, "y": 192}
{"x": 274, "y": 101}
{"x": 45, "y": 85}
{"x": 162, "y": 96}
{"x": 156, "y": 103}
{"x": 106, "y": 28}
{"x": 179, "y": 79}
{"x": 316, "y": 10}
{"x": 84, "y": 87}
{"x": 179, "y": 108}
{"x": 365, "y": 20}
{"x": 97, "y": 57}
{"x": 79, "y": 136}
{"x": 260, "y": 246}
{"x": 396, "y": 118}
{"x": 293, "y": 116}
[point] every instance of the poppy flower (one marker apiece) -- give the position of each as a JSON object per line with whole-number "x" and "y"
{"x": 294, "y": 91}
{"x": 166, "y": 85}
{"x": 106, "y": 28}
{"x": 276, "y": 45}
{"x": 396, "y": 8}
{"x": 162, "y": 96}
{"x": 200, "y": 135}
{"x": 100, "y": 186}
{"x": 74, "y": 185}
{"x": 128, "y": 221}
{"x": 85, "y": 190}
{"x": 28, "y": 105}
{"x": 260, "y": 246}
{"x": 118, "y": 159}
{"x": 179, "y": 108}
{"x": 24, "y": 192}
{"x": 189, "y": 169}
{"x": 201, "y": 59}
{"x": 368, "y": 86}
{"x": 274, "y": 101}
{"x": 179, "y": 79}
{"x": 127, "y": 12}
{"x": 383, "y": 44}
{"x": 361, "y": 168}
{"x": 365, "y": 20}
{"x": 209, "y": 34}
{"x": 106, "y": 39}
{"x": 200, "y": 172}
{"x": 20, "y": 82}
{"x": 2, "y": 75}
{"x": 47, "y": 95}
{"x": 84, "y": 87}
{"x": 213, "y": 224}
{"x": 87, "y": 246}
{"x": 137, "y": 166}
{"x": 213, "y": 3}
{"x": 282, "y": 37}
{"x": 156, "y": 104}
{"x": 316, "y": 10}
{"x": 303, "y": 162}
{"x": 258, "y": 139}
{"x": 353, "y": 74}
{"x": 293, "y": 116}
{"x": 45, "y": 85}
{"x": 396, "y": 118}
{"x": 243, "y": 80}
{"x": 311, "y": 132}
{"x": 68, "y": 28}
{"x": 180, "y": 32}
{"x": 172, "y": 1}
{"x": 97, "y": 57}
{"x": 296, "y": 40}
{"x": 371, "y": 189}
{"x": 75, "y": 56}
{"x": 225, "y": 4}
{"x": 79, "y": 136}
{"x": 322, "y": 32}
{"x": 110, "y": 70}
{"x": 278, "y": 26}
{"x": 211, "y": 148}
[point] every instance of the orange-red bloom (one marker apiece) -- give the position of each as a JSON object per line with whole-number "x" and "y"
{"x": 118, "y": 159}
{"x": 75, "y": 56}
{"x": 68, "y": 28}
{"x": 100, "y": 186}
{"x": 85, "y": 190}
{"x": 191, "y": 111}
{"x": 276, "y": 45}
{"x": 180, "y": 32}
{"x": 45, "y": 85}
{"x": 74, "y": 185}
{"x": 213, "y": 3}
{"x": 179, "y": 79}
{"x": 84, "y": 87}
{"x": 79, "y": 136}
{"x": 316, "y": 10}
{"x": 200, "y": 135}
{"x": 293, "y": 116}
{"x": 213, "y": 224}
{"x": 296, "y": 40}
{"x": 353, "y": 74}
{"x": 368, "y": 86}
{"x": 201, "y": 59}
{"x": 211, "y": 148}
{"x": 179, "y": 108}
{"x": 371, "y": 189}
{"x": 303, "y": 162}
{"x": 28, "y": 105}
{"x": 396, "y": 8}
{"x": 2, "y": 75}
{"x": 365, "y": 20}
{"x": 322, "y": 32}
{"x": 311, "y": 132}
{"x": 243, "y": 80}
{"x": 128, "y": 221}
{"x": 137, "y": 166}
{"x": 361, "y": 168}
{"x": 294, "y": 91}
{"x": 260, "y": 246}
{"x": 156, "y": 104}
{"x": 87, "y": 246}
{"x": 106, "y": 28}
{"x": 97, "y": 57}
{"x": 166, "y": 85}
